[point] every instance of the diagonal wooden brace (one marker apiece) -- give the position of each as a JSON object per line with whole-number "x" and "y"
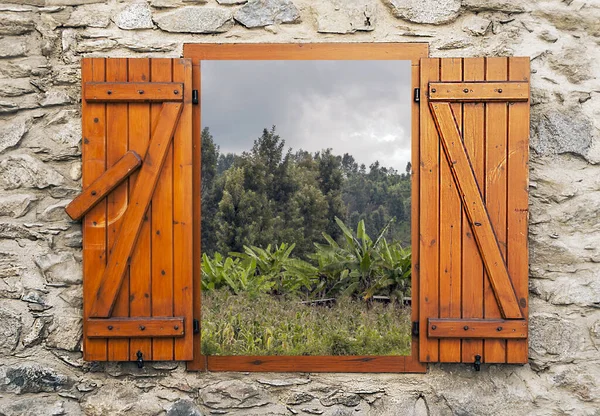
{"x": 120, "y": 256}
{"x": 460, "y": 165}
{"x": 108, "y": 181}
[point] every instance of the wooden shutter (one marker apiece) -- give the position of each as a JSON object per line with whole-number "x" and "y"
{"x": 473, "y": 210}
{"x": 137, "y": 209}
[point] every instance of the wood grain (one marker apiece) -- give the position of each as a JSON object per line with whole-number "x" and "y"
{"x": 94, "y": 224}
{"x": 168, "y": 327}
{"x": 477, "y": 328}
{"x": 146, "y": 182}
{"x": 133, "y": 91}
{"x": 479, "y": 91}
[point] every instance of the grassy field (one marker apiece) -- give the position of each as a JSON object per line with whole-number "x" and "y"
{"x": 269, "y": 325}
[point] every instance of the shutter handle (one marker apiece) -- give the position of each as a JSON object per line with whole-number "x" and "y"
{"x": 477, "y": 363}
{"x": 140, "y": 359}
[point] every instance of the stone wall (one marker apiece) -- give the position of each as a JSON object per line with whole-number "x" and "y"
{"x": 41, "y": 43}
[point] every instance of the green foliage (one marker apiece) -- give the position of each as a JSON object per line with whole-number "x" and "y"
{"x": 360, "y": 265}
{"x": 269, "y": 325}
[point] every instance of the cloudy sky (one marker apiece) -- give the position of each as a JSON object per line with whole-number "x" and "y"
{"x": 358, "y": 107}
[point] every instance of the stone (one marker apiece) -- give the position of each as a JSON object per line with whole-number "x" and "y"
{"x": 260, "y": 13}
{"x": 28, "y": 377}
{"x": 35, "y": 406}
{"x": 194, "y": 19}
{"x": 230, "y": 2}
{"x": 340, "y": 16}
{"x": 574, "y": 63}
{"x": 16, "y": 205}
{"x": 143, "y": 44}
{"x": 233, "y": 394}
{"x": 435, "y": 12}
{"x": 341, "y": 398}
{"x": 9, "y": 48}
{"x": 134, "y": 16}
{"x": 36, "y": 298}
{"x": 65, "y": 333}
{"x": 563, "y": 130}
{"x": 299, "y": 398}
{"x": 183, "y": 407}
{"x": 96, "y": 15}
{"x": 55, "y": 97}
{"x": 95, "y": 45}
{"x": 476, "y": 25}
{"x": 23, "y": 67}
{"x": 125, "y": 398}
{"x": 276, "y": 382}
{"x": 551, "y": 339}
{"x": 548, "y": 36}
{"x": 12, "y": 131}
{"x": 10, "y": 331}
{"x": 74, "y": 239}
{"x": 17, "y": 231}
{"x": 35, "y": 333}
{"x": 25, "y": 171}
{"x": 75, "y": 171}
{"x": 13, "y": 24}
{"x": 55, "y": 212}
{"x": 506, "y": 6}
{"x": 59, "y": 269}
{"x": 15, "y": 87}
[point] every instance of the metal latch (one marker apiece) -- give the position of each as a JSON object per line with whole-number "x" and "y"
{"x": 417, "y": 95}
{"x": 194, "y": 96}
{"x": 477, "y": 363}
{"x": 415, "y": 329}
{"x": 140, "y": 359}
{"x": 196, "y": 326}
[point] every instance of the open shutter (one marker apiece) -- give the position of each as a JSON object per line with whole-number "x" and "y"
{"x": 137, "y": 209}
{"x": 473, "y": 210}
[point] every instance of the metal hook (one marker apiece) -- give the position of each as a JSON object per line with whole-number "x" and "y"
{"x": 140, "y": 359}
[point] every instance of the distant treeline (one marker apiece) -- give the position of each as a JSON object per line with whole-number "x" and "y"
{"x": 270, "y": 194}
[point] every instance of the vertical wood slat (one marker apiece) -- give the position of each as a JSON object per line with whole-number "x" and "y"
{"x": 472, "y": 265}
{"x": 199, "y": 362}
{"x": 162, "y": 226}
{"x": 140, "y": 267}
{"x": 517, "y": 206}
{"x": 495, "y": 194}
{"x": 450, "y": 230}
{"x": 429, "y": 216}
{"x": 116, "y": 146}
{"x": 94, "y": 223}
{"x": 183, "y": 201}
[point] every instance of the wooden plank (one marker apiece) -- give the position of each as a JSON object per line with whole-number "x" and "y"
{"x": 450, "y": 231}
{"x": 116, "y": 147}
{"x": 136, "y": 327}
{"x": 162, "y": 224}
{"x": 517, "y": 207}
{"x": 140, "y": 277}
{"x": 183, "y": 203}
{"x": 94, "y": 224}
{"x": 348, "y": 364}
{"x": 496, "y": 116}
{"x": 105, "y": 183}
{"x": 476, "y": 211}
{"x": 148, "y": 177}
{"x": 307, "y": 51}
{"x": 477, "y": 328}
{"x": 472, "y": 266}
{"x": 479, "y": 91}
{"x": 199, "y": 362}
{"x": 429, "y": 217}
{"x": 133, "y": 91}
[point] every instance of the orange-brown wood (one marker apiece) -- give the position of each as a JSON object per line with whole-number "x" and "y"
{"x": 199, "y": 361}
{"x": 116, "y": 147}
{"x": 133, "y": 91}
{"x": 517, "y": 204}
{"x": 496, "y": 116}
{"x": 162, "y": 224}
{"x": 183, "y": 202}
{"x": 479, "y": 91}
{"x": 476, "y": 210}
{"x": 472, "y": 266}
{"x": 134, "y": 328}
{"x": 450, "y": 230}
{"x": 120, "y": 258}
{"x": 347, "y": 364}
{"x": 94, "y": 224}
{"x": 477, "y": 328}
{"x": 429, "y": 191}
{"x": 140, "y": 276}
{"x": 308, "y": 51}
{"x": 412, "y": 52}
{"x": 109, "y": 180}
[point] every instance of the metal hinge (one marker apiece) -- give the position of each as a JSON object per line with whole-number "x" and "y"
{"x": 415, "y": 329}
{"x": 417, "y": 95}
{"x": 196, "y": 326}
{"x": 194, "y": 96}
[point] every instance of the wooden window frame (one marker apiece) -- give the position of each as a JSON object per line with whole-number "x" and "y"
{"x": 316, "y": 51}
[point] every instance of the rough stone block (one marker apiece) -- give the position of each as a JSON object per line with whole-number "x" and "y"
{"x": 261, "y": 13}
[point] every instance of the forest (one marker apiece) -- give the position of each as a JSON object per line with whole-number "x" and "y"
{"x": 303, "y": 253}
